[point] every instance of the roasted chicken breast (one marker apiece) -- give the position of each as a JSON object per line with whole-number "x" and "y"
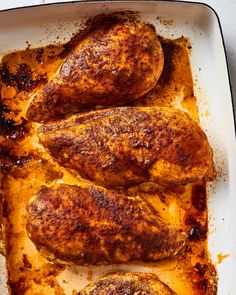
{"x": 124, "y": 146}
{"x": 116, "y": 62}
{"x": 93, "y": 225}
{"x": 128, "y": 283}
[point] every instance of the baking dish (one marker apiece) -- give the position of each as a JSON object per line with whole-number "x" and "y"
{"x": 39, "y": 26}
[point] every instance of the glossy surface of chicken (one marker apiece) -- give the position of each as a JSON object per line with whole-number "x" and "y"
{"x": 92, "y": 225}
{"x": 118, "y": 61}
{"x": 123, "y": 146}
{"x": 128, "y": 283}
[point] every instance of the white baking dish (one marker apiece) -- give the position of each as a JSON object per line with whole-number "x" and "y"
{"x": 39, "y": 26}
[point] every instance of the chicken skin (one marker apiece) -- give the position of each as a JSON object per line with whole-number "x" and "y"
{"x": 92, "y": 225}
{"x": 128, "y": 283}
{"x": 125, "y": 146}
{"x": 116, "y": 62}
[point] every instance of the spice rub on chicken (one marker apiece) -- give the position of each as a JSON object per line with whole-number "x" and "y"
{"x": 128, "y": 145}
{"x": 123, "y": 283}
{"x": 91, "y": 225}
{"x": 116, "y": 62}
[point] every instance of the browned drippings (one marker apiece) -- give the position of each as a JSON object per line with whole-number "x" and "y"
{"x": 22, "y": 79}
{"x": 26, "y": 166}
{"x": 221, "y": 257}
{"x": 199, "y": 197}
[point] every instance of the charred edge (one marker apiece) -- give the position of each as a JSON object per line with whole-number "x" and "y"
{"x": 22, "y": 79}
{"x": 7, "y": 160}
{"x": 9, "y": 128}
{"x": 199, "y": 197}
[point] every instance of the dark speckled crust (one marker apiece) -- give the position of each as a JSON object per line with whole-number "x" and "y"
{"x": 128, "y": 283}
{"x": 123, "y": 146}
{"x": 92, "y": 225}
{"x": 118, "y": 62}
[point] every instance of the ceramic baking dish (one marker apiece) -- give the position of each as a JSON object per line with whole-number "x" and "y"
{"x": 40, "y": 24}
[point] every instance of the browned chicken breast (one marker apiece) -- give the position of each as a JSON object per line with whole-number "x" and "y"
{"x": 128, "y": 283}
{"x": 92, "y": 225}
{"x": 119, "y": 61}
{"x": 124, "y": 146}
